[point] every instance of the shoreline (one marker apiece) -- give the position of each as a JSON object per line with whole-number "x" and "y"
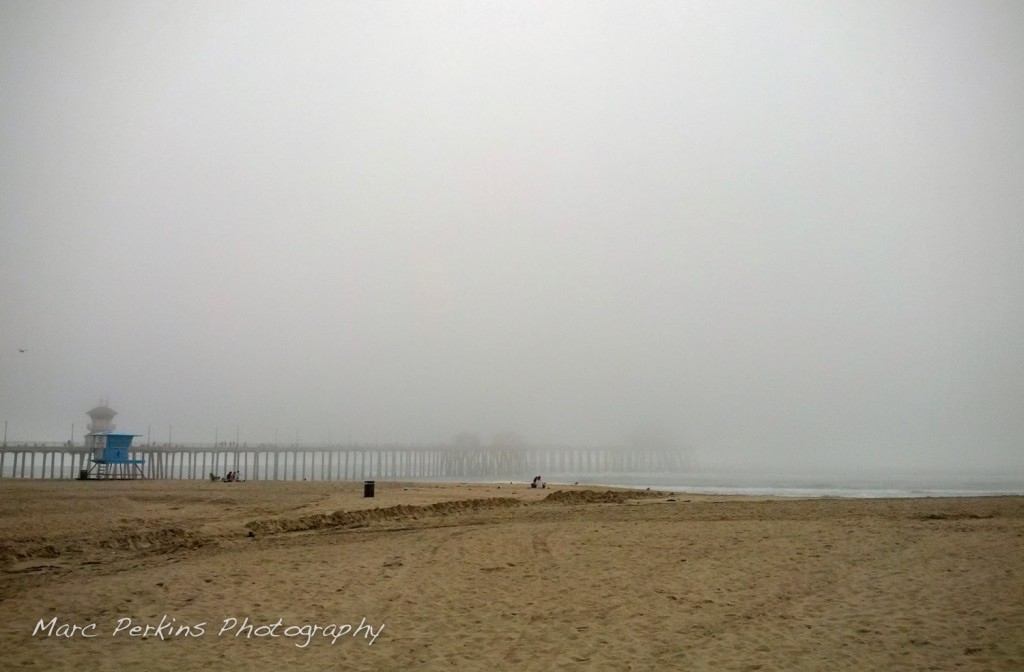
{"x": 669, "y": 487}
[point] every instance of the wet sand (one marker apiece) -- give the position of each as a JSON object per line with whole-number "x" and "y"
{"x": 313, "y": 576}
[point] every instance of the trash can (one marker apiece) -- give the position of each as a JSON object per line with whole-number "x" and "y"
{"x": 83, "y": 475}
{"x": 368, "y": 488}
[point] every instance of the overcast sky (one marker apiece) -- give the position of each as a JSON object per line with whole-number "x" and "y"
{"x": 778, "y": 233}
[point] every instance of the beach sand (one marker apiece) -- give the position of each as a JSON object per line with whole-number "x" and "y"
{"x": 488, "y": 577}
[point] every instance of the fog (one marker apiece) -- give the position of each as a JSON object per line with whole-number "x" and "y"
{"x": 783, "y": 234}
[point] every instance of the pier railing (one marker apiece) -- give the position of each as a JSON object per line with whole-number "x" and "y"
{"x": 345, "y": 463}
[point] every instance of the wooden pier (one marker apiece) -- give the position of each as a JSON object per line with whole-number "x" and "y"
{"x": 346, "y": 463}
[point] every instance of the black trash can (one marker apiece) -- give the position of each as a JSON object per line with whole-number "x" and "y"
{"x": 83, "y": 475}
{"x": 368, "y": 488}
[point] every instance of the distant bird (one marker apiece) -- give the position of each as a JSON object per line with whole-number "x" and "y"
{"x": 22, "y": 350}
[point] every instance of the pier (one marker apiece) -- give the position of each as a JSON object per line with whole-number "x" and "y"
{"x": 345, "y": 462}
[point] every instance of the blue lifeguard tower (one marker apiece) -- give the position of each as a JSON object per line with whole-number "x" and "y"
{"x": 111, "y": 450}
{"x": 111, "y": 456}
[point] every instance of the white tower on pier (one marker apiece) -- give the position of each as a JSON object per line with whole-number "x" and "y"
{"x": 102, "y": 421}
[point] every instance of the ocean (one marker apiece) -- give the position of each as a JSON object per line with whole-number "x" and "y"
{"x": 788, "y": 485}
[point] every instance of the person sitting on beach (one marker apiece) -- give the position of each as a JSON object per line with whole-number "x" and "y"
{"x": 538, "y": 482}
{"x": 214, "y": 478}
{"x": 230, "y": 478}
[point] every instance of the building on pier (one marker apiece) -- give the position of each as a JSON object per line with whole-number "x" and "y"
{"x": 101, "y": 419}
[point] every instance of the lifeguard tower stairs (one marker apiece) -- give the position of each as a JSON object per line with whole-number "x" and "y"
{"x": 111, "y": 457}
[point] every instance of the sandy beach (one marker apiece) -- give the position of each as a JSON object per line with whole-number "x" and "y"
{"x": 172, "y": 575}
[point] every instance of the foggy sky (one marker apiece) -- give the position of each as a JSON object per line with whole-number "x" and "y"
{"x": 778, "y": 233}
